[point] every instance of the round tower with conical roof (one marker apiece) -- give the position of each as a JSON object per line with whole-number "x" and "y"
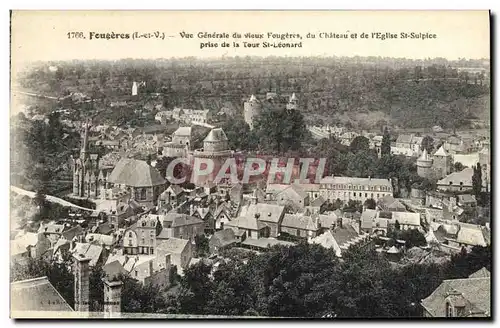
{"x": 442, "y": 163}
{"x": 424, "y": 165}
{"x": 251, "y": 110}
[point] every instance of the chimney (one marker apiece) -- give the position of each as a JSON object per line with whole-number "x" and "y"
{"x": 452, "y": 203}
{"x": 167, "y": 262}
{"x": 81, "y": 272}
{"x": 112, "y": 298}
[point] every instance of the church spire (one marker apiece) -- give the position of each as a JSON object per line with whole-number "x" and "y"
{"x": 85, "y": 140}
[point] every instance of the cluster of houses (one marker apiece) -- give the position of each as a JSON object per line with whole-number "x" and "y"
{"x": 143, "y": 226}
{"x": 185, "y": 116}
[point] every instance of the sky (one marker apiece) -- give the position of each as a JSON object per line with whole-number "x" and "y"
{"x": 43, "y": 35}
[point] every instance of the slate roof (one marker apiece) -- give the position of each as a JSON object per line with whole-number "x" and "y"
{"x": 173, "y": 188}
{"x": 299, "y": 222}
{"x": 91, "y": 251}
{"x": 471, "y": 236}
{"x": 481, "y": 273}
{"x": 52, "y": 228}
{"x": 345, "y": 234}
{"x": 172, "y": 245}
{"x": 20, "y": 244}
{"x": 327, "y": 240}
{"x": 318, "y": 202}
{"x": 135, "y": 173}
{"x": 179, "y": 220}
{"x": 441, "y": 152}
{"x": 406, "y": 218}
{"x": 216, "y": 134}
{"x": 36, "y": 294}
{"x": 60, "y": 243}
{"x": 225, "y": 237}
{"x": 73, "y": 232}
{"x": 100, "y": 239}
{"x": 425, "y": 156}
{"x": 327, "y": 220}
{"x": 404, "y": 138}
{"x": 393, "y": 250}
{"x": 356, "y": 181}
{"x": 266, "y": 242}
{"x": 464, "y": 176}
{"x": 466, "y": 199}
{"x": 183, "y": 131}
{"x": 113, "y": 269}
{"x": 367, "y": 218}
{"x": 294, "y": 189}
{"x": 266, "y": 212}
{"x": 246, "y": 222}
{"x": 476, "y": 292}
{"x": 389, "y": 203}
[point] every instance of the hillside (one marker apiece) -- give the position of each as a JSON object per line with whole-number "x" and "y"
{"x": 361, "y": 92}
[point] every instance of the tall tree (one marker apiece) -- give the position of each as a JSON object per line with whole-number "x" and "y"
{"x": 385, "y": 148}
{"x": 477, "y": 181}
{"x": 280, "y": 130}
{"x": 360, "y": 143}
{"x": 427, "y": 144}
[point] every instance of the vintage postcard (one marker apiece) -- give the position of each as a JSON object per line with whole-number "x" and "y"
{"x": 250, "y": 164}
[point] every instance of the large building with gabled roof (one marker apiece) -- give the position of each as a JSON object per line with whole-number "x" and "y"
{"x": 463, "y": 298}
{"x": 143, "y": 181}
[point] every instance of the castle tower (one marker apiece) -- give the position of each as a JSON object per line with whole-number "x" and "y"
{"x": 216, "y": 148}
{"x": 442, "y": 163}
{"x": 424, "y": 165}
{"x": 112, "y": 298}
{"x": 251, "y": 110}
{"x": 293, "y": 102}
{"x": 81, "y": 272}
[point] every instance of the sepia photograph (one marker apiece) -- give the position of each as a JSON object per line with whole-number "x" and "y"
{"x": 250, "y": 165}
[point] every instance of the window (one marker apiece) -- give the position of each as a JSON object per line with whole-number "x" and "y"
{"x": 130, "y": 242}
{"x": 130, "y": 234}
{"x": 354, "y": 193}
{"x": 298, "y": 232}
{"x": 143, "y": 193}
{"x": 366, "y": 194}
{"x": 143, "y": 241}
{"x": 151, "y": 250}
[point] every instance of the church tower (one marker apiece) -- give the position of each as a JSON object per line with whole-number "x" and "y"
{"x": 85, "y": 169}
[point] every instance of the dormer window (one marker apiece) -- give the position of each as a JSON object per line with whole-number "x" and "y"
{"x": 449, "y": 310}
